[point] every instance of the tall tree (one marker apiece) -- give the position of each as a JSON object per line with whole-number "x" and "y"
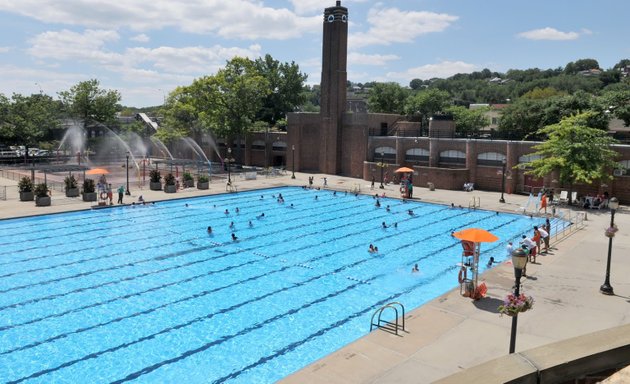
{"x": 285, "y": 88}
{"x": 88, "y": 102}
{"x": 387, "y": 98}
{"x": 468, "y": 121}
{"x": 25, "y": 120}
{"x": 578, "y": 152}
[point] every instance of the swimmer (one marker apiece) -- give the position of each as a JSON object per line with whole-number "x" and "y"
{"x": 261, "y": 197}
{"x": 335, "y": 193}
{"x": 387, "y": 208}
{"x": 384, "y": 225}
{"x": 209, "y": 229}
{"x": 261, "y": 215}
{"x": 237, "y": 210}
{"x": 291, "y": 205}
{"x": 415, "y": 269}
{"x": 371, "y": 249}
{"x": 375, "y": 249}
{"x": 396, "y": 225}
{"x": 250, "y": 224}
{"x": 234, "y": 238}
{"x": 410, "y": 212}
{"x": 232, "y": 225}
{"x": 186, "y": 204}
{"x": 315, "y": 197}
{"x": 452, "y": 205}
{"x": 378, "y": 204}
{"x": 226, "y": 212}
{"x": 491, "y": 261}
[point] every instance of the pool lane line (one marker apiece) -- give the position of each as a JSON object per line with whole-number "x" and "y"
{"x": 50, "y": 297}
{"x": 197, "y": 320}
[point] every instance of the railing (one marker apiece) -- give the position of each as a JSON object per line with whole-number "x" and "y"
{"x": 562, "y": 226}
{"x": 389, "y": 326}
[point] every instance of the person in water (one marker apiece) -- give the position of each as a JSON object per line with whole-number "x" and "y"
{"x": 209, "y": 229}
{"x": 415, "y": 269}
{"x": 234, "y": 238}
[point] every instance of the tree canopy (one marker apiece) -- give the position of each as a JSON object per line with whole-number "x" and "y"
{"x": 25, "y": 120}
{"x": 87, "y": 101}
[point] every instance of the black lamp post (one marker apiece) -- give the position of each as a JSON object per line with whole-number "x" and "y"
{"x": 502, "y": 199}
{"x": 228, "y": 160}
{"x": 382, "y": 165}
{"x": 519, "y": 259}
{"x": 293, "y": 161}
{"x": 127, "y": 192}
{"x": 606, "y": 288}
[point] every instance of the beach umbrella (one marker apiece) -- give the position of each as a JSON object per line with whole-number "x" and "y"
{"x": 97, "y": 171}
{"x": 403, "y": 170}
{"x": 476, "y": 235}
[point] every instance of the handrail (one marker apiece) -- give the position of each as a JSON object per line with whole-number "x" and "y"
{"x": 388, "y": 325}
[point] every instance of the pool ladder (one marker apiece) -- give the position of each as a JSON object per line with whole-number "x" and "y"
{"x": 475, "y": 202}
{"x": 391, "y": 327}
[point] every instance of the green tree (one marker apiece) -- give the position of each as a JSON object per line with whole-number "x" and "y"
{"x": 88, "y": 102}
{"x": 468, "y": 121}
{"x": 285, "y": 88}
{"x": 618, "y": 104}
{"x": 578, "y": 152}
{"x": 181, "y": 115}
{"x": 542, "y": 93}
{"x": 24, "y": 120}
{"x": 387, "y": 98}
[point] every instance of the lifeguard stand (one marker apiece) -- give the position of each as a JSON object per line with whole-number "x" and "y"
{"x": 469, "y": 272}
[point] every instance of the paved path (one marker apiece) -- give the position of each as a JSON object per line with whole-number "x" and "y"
{"x": 452, "y": 333}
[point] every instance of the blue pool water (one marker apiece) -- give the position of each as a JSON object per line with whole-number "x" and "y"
{"x": 143, "y": 294}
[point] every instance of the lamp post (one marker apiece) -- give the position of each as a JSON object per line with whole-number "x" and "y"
{"x": 127, "y": 192}
{"x": 606, "y": 288}
{"x": 519, "y": 259}
{"x": 503, "y": 163}
{"x": 382, "y": 165}
{"x": 228, "y": 160}
{"x": 293, "y": 161}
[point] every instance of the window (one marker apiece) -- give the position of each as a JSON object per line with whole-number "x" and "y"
{"x": 528, "y": 158}
{"x": 417, "y": 154}
{"x": 388, "y": 154}
{"x": 453, "y": 157}
{"x": 491, "y": 159}
{"x": 279, "y": 146}
{"x": 258, "y": 145}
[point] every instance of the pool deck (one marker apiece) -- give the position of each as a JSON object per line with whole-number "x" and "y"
{"x": 452, "y": 333}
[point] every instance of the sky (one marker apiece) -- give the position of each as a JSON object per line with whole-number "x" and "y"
{"x": 145, "y": 49}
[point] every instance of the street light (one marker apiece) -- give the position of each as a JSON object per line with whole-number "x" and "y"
{"x": 606, "y": 288}
{"x": 128, "y": 193}
{"x": 228, "y": 160}
{"x": 293, "y": 161}
{"x": 502, "y": 199}
{"x": 382, "y": 165}
{"x": 519, "y": 259}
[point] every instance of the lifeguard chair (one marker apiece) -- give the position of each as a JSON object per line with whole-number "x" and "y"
{"x": 470, "y": 260}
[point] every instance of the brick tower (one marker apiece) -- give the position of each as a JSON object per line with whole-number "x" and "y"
{"x": 333, "y": 87}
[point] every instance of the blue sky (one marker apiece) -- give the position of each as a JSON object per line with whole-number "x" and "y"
{"x": 145, "y": 49}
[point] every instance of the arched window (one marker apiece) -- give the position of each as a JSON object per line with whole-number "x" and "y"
{"x": 387, "y": 153}
{"x": 453, "y": 157}
{"x": 528, "y": 158}
{"x": 626, "y": 168}
{"x": 235, "y": 143}
{"x": 258, "y": 145}
{"x": 491, "y": 159}
{"x": 417, "y": 154}
{"x": 279, "y": 146}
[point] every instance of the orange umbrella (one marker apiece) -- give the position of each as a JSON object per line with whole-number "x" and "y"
{"x": 403, "y": 170}
{"x": 97, "y": 171}
{"x": 476, "y": 235}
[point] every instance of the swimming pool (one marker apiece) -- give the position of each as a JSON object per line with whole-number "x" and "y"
{"x": 145, "y": 294}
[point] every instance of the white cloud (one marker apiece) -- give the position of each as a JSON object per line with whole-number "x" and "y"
{"x": 356, "y": 58}
{"x": 391, "y": 25}
{"x": 225, "y": 18}
{"x": 302, "y": 7}
{"x": 69, "y": 45}
{"x": 443, "y": 69}
{"x": 549, "y": 33}
{"x": 5, "y": 49}
{"x": 141, "y": 38}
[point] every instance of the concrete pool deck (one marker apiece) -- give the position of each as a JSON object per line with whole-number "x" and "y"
{"x": 451, "y": 333}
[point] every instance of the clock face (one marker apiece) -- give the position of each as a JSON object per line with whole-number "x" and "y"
{"x": 344, "y": 18}
{"x": 331, "y": 18}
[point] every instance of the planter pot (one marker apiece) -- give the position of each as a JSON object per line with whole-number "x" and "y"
{"x": 42, "y": 201}
{"x": 72, "y": 192}
{"x": 155, "y": 186}
{"x": 170, "y": 188}
{"x": 203, "y": 185}
{"x": 27, "y": 196}
{"x": 189, "y": 183}
{"x": 89, "y": 196}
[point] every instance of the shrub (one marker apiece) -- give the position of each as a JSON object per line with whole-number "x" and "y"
{"x": 41, "y": 190}
{"x": 25, "y": 184}
{"x": 169, "y": 179}
{"x": 187, "y": 176}
{"x": 70, "y": 182}
{"x": 154, "y": 176}
{"x": 88, "y": 186}
{"x": 202, "y": 179}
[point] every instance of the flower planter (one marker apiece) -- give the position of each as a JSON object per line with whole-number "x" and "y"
{"x": 155, "y": 186}
{"x": 170, "y": 188}
{"x": 203, "y": 185}
{"x": 27, "y": 196}
{"x": 89, "y": 196}
{"x": 72, "y": 192}
{"x": 189, "y": 183}
{"x": 42, "y": 201}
